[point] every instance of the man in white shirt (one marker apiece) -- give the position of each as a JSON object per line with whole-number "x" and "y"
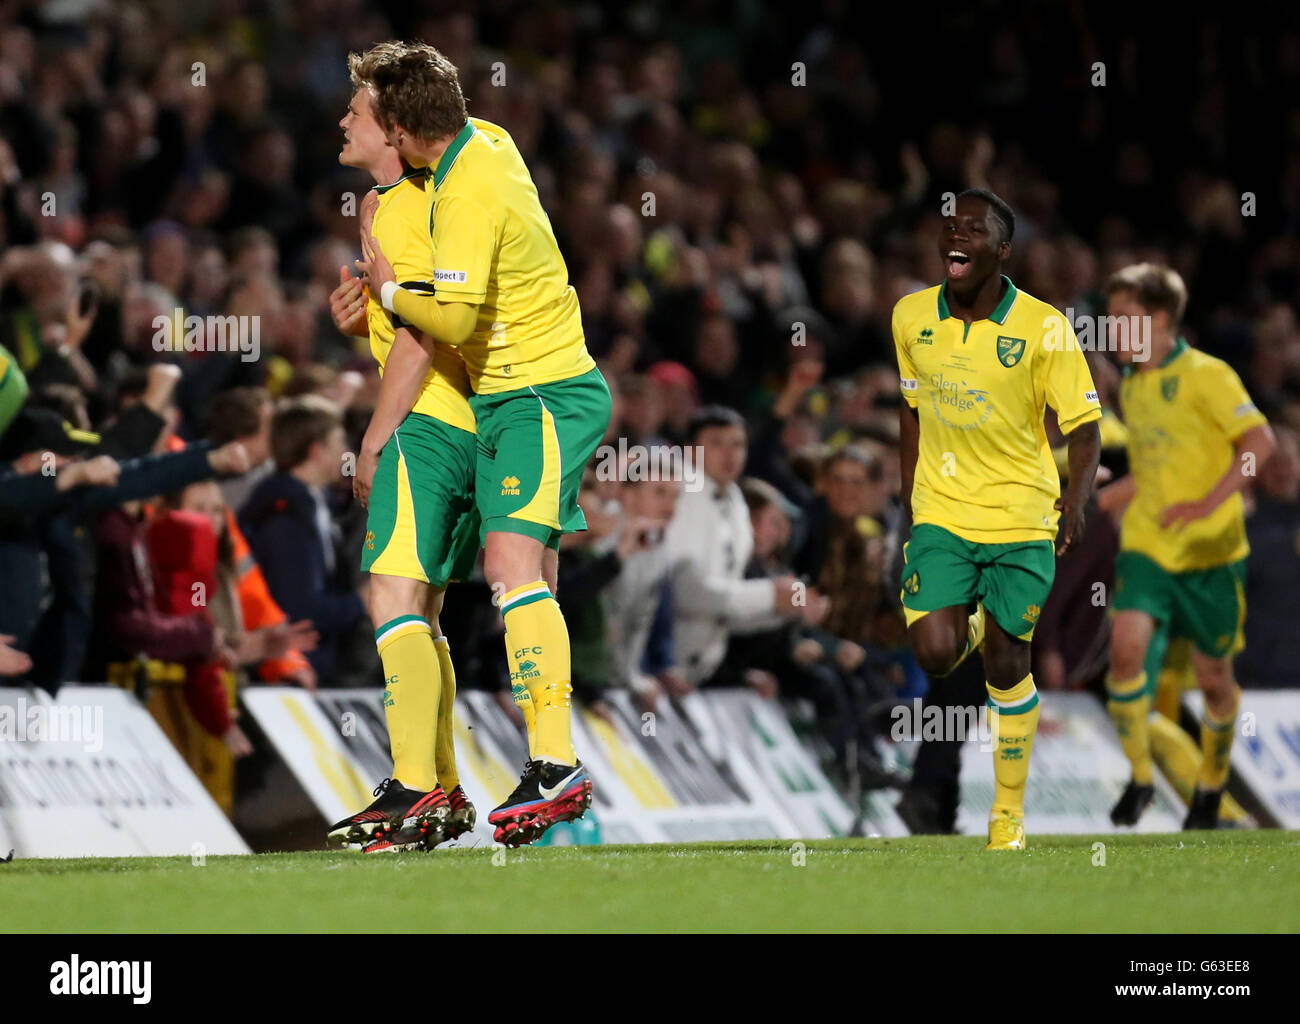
{"x": 709, "y": 543}
{"x": 632, "y": 599}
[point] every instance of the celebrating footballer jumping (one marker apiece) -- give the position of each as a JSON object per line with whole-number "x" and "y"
{"x": 988, "y": 516}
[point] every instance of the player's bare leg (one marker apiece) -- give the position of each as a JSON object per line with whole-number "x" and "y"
{"x": 1129, "y": 704}
{"x": 942, "y": 638}
{"x": 1013, "y": 719}
{"x": 551, "y": 570}
{"x": 554, "y": 785}
{"x": 1218, "y": 724}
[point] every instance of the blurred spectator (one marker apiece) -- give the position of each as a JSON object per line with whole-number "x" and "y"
{"x": 632, "y": 600}
{"x": 288, "y": 523}
{"x": 709, "y": 543}
{"x": 243, "y": 413}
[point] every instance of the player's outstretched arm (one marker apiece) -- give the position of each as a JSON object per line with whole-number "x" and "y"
{"x": 1084, "y": 448}
{"x": 1253, "y": 449}
{"x": 404, "y": 371}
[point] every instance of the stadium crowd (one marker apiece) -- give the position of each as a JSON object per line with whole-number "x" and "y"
{"x": 741, "y": 195}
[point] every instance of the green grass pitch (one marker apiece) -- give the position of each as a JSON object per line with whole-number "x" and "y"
{"x": 1224, "y": 881}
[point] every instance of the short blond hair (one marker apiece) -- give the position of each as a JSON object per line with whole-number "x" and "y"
{"x": 1155, "y": 287}
{"x": 415, "y": 87}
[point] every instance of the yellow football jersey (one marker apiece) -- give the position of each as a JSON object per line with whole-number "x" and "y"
{"x": 1183, "y": 417}
{"x": 493, "y": 246}
{"x": 984, "y": 469}
{"x": 399, "y": 227}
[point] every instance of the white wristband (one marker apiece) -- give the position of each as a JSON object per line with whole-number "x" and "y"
{"x": 386, "y": 293}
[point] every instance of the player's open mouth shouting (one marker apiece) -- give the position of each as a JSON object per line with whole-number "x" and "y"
{"x": 964, "y": 247}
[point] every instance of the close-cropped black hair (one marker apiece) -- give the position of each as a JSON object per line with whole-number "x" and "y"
{"x": 1005, "y": 215}
{"x": 713, "y": 416}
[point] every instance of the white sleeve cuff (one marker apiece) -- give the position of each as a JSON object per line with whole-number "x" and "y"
{"x": 386, "y": 293}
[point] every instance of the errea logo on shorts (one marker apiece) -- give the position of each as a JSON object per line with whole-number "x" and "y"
{"x": 450, "y": 276}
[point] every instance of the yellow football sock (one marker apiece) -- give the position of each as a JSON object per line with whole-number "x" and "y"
{"x": 538, "y": 650}
{"x": 1216, "y": 745}
{"x": 444, "y": 744}
{"x": 1013, "y": 718}
{"x": 519, "y": 694}
{"x": 1176, "y": 678}
{"x": 1175, "y": 753}
{"x": 1129, "y": 707}
{"x": 1179, "y": 759}
{"x": 1169, "y": 694}
{"x": 411, "y": 683}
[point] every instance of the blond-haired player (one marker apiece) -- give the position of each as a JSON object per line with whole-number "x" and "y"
{"x": 1195, "y": 438}
{"x": 415, "y": 474}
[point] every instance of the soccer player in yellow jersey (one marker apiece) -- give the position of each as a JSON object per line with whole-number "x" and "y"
{"x": 1195, "y": 438}
{"x": 978, "y": 362}
{"x": 415, "y": 474}
{"x": 503, "y": 299}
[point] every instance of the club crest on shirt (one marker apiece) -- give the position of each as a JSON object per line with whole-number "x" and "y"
{"x": 1010, "y": 350}
{"x": 1169, "y": 388}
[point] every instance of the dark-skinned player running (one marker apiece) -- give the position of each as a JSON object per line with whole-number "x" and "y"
{"x": 979, "y": 361}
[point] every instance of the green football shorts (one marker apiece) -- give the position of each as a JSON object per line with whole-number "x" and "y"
{"x": 1011, "y": 580}
{"x": 1207, "y": 606}
{"x": 422, "y": 523}
{"x": 533, "y": 445}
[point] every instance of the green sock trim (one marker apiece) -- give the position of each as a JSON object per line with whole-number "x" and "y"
{"x": 519, "y": 602}
{"x": 1017, "y": 709}
{"x": 400, "y": 621}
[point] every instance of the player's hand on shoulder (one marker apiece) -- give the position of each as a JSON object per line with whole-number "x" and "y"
{"x": 374, "y": 268}
{"x": 369, "y": 205}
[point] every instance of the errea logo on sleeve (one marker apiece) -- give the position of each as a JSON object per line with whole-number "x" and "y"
{"x": 450, "y": 276}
